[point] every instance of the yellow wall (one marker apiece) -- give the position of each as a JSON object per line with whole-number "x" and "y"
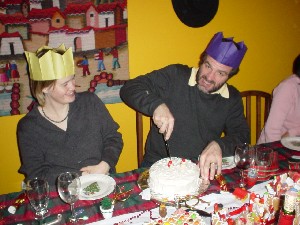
{"x": 10, "y": 179}
{"x": 270, "y": 29}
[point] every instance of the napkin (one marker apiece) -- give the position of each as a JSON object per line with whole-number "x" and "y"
{"x": 146, "y": 194}
{"x": 137, "y": 218}
{"x": 228, "y": 163}
{"x": 260, "y": 188}
{"x": 228, "y": 199}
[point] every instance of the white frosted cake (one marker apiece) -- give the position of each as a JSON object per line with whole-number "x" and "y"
{"x": 173, "y": 177}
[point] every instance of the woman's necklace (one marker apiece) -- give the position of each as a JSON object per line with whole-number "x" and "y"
{"x": 54, "y": 120}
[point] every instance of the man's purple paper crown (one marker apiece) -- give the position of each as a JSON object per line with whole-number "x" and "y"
{"x": 226, "y": 51}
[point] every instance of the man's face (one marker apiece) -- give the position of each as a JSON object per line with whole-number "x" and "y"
{"x": 212, "y": 75}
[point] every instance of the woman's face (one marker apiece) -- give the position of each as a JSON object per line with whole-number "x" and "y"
{"x": 63, "y": 91}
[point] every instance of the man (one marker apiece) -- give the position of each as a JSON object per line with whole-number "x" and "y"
{"x": 85, "y": 66}
{"x": 100, "y": 58}
{"x": 192, "y": 107}
{"x": 115, "y": 61}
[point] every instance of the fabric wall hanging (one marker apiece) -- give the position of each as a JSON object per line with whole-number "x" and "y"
{"x": 95, "y": 29}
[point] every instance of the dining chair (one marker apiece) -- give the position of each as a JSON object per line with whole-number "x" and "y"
{"x": 140, "y": 136}
{"x": 258, "y": 104}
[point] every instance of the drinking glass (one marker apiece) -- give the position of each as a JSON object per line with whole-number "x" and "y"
{"x": 37, "y": 191}
{"x": 68, "y": 185}
{"x": 244, "y": 157}
{"x": 263, "y": 156}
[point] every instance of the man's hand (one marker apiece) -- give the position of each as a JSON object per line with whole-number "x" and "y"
{"x": 164, "y": 120}
{"x": 210, "y": 161}
{"x": 101, "y": 168}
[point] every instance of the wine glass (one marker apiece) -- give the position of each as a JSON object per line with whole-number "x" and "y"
{"x": 69, "y": 185}
{"x": 263, "y": 156}
{"x": 244, "y": 158}
{"x": 37, "y": 191}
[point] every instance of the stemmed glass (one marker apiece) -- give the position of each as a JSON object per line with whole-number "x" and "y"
{"x": 37, "y": 191}
{"x": 69, "y": 188}
{"x": 263, "y": 156}
{"x": 244, "y": 158}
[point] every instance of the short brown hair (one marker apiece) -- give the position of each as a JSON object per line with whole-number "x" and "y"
{"x": 37, "y": 86}
{"x": 296, "y": 66}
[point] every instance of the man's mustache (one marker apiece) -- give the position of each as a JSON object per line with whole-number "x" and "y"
{"x": 205, "y": 78}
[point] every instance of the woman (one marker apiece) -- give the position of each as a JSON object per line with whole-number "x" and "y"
{"x": 67, "y": 131}
{"x": 284, "y": 117}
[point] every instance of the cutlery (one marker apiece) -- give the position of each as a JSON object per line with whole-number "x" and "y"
{"x": 59, "y": 217}
{"x": 200, "y": 212}
{"x": 167, "y": 147}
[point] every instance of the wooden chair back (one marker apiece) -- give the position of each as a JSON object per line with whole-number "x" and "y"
{"x": 139, "y": 137}
{"x": 262, "y": 103}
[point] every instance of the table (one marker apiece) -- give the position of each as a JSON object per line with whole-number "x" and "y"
{"x": 89, "y": 210}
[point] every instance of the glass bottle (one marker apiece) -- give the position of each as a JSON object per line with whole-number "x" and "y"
{"x": 287, "y": 214}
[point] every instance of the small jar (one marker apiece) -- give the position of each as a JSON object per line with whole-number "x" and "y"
{"x": 251, "y": 177}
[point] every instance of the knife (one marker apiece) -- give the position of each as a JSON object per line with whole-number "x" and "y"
{"x": 200, "y": 212}
{"x": 167, "y": 147}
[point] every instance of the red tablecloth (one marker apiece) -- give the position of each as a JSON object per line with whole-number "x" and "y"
{"x": 128, "y": 180}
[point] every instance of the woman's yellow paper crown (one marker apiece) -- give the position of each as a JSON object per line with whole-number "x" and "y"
{"x": 55, "y": 64}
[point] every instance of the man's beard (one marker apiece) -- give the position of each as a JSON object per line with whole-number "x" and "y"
{"x": 214, "y": 89}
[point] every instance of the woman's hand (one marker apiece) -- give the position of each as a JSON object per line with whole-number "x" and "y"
{"x": 102, "y": 168}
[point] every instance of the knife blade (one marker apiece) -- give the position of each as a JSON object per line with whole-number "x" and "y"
{"x": 200, "y": 212}
{"x": 167, "y": 147}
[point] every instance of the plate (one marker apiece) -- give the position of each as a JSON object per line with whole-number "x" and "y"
{"x": 291, "y": 143}
{"x": 106, "y": 183}
{"x": 228, "y": 163}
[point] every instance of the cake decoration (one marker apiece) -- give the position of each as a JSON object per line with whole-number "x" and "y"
{"x": 266, "y": 208}
{"x": 283, "y": 182}
{"x": 258, "y": 212}
{"x": 179, "y": 217}
{"x": 162, "y": 210}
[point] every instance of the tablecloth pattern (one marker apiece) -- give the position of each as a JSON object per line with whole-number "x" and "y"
{"x": 89, "y": 209}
